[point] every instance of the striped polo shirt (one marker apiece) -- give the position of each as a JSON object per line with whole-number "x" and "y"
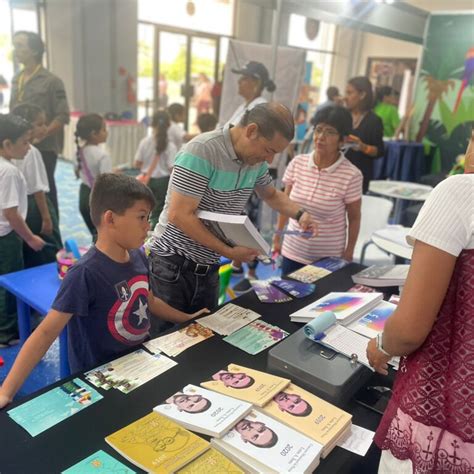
{"x": 207, "y": 169}
{"x": 324, "y": 193}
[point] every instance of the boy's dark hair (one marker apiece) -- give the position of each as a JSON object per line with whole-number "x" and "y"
{"x": 35, "y": 43}
{"x": 270, "y": 117}
{"x": 12, "y": 127}
{"x": 29, "y": 112}
{"x": 175, "y": 110}
{"x": 331, "y": 92}
{"x": 382, "y": 92}
{"x": 161, "y": 123}
{"x": 362, "y": 84}
{"x": 117, "y": 193}
{"x": 335, "y": 116}
{"x": 206, "y": 122}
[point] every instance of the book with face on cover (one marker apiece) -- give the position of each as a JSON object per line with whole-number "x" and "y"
{"x": 246, "y": 384}
{"x": 312, "y": 416}
{"x": 204, "y": 411}
{"x": 212, "y": 461}
{"x": 259, "y": 443}
{"x": 346, "y": 306}
{"x": 234, "y": 230}
{"x": 156, "y": 444}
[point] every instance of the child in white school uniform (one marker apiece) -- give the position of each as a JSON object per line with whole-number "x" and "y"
{"x": 92, "y": 160}
{"x": 42, "y": 217}
{"x": 155, "y": 159}
{"x": 14, "y": 144}
{"x": 176, "y": 132}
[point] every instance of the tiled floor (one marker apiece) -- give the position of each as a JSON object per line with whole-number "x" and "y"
{"x": 72, "y": 226}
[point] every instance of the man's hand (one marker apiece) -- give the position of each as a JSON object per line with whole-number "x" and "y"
{"x": 307, "y": 223}
{"x": 377, "y": 359}
{"x": 4, "y": 399}
{"x": 243, "y": 254}
{"x": 36, "y": 243}
{"x": 46, "y": 227}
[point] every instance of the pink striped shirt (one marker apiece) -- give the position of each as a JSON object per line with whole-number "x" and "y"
{"x": 324, "y": 194}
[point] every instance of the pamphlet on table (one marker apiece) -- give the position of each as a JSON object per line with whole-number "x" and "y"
{"x": 204, "y": 411}
{"x": 228, "y": 319}
{"x": 99, "y": 463}
{"x": 246, "y": 384}
{"x": 310, "y": 415}
{"x": 176, "y": 342}
{"x": 156, "y": 444}
{"x": 130, "y": 371}
{"x": 54, "y": 406}
{"x": 319, "y": 269}
{"x": 358, "y": 441}
{"x": 256, "y": 336}
{"x": 259, "y": 443}
{"x": 296, "y": 289}
{"x": 267, "y": 293}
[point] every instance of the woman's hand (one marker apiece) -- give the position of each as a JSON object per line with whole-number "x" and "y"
{"x": 276, "y": 243}
{"x": 348, "y": 255}
{"x": 377, "y": 359}
{"x": 199, "y": 313}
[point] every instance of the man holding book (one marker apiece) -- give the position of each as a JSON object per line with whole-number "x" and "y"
{"x": 217, "y": 172}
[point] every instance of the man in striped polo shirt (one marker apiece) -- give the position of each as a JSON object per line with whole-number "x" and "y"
{"x": 217, "y": 171}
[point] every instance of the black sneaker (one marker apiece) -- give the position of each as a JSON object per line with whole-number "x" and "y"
{"x": 242, "y": 285}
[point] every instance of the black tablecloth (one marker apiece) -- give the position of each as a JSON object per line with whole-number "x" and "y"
{"x": 82, "y": 434}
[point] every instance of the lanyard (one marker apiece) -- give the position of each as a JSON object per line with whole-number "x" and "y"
{"x": 22, "y": 82}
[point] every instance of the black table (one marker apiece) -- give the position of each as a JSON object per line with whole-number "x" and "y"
{"x": 82, "y": 434}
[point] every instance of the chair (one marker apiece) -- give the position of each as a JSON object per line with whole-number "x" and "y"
{"x": 374, "y": 216}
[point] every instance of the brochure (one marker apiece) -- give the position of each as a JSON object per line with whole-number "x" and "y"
{"x": 297, "y": 289}
{"x": 54, "y": 406}
{"x": 101, "y": 463}
{"x": 267, "y": 293}
{"x": 256, "y": 337}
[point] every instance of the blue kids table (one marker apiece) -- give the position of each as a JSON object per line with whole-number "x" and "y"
{"x": 36, "y": 288}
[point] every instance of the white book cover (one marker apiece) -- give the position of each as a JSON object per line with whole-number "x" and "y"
{"x": 374, "y": 321}
{"x": 346, "y": 306}
{"x": 204, "y": 411}
{"x": 382, "y": 275}
{"x": 260, "y": 443}
{"x": 235, "y": 230}
{"x": 228, "y": 319}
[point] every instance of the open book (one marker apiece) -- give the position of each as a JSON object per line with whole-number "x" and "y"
{"x": 259, "y": 443}
{"x": 346, "y": 306}
{"x": 204, "y": 411}
{"x": 234, "y": 230}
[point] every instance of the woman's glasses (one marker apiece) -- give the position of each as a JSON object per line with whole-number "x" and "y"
{"x": 328, "y": 132}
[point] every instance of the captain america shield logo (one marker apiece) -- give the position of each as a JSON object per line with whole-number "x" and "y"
{"x": 128, "y": 321}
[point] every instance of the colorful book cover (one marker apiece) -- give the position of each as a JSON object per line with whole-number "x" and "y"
{"x": 361, "y": 289}
{"x": 264, "y": 444}
{"x": 156, "y": 444}
{"x": 246, "y": 384}
{"x": 309, "y": 274}
{"x": 101, "y": 463}
{"x": 228, "y": 319}
{"x": 178, "y": 341}
{"x": 212, "y": 461}
{"x": 309, "y": 414}
{"x": 130, "y": 371}
{"x": 204, "y": 411}
{"x": 297, "y": 289}
{"x": 54, "y": 406}
{"x": 256, "y": 337}
{"x": 268, "y": 293}
{"x": 331, "y": 263}
{"x": 346, "y": 306}
{"x": 374, "y": 321}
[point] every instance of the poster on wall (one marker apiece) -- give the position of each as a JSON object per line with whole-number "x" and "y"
{"x": 443, "y": 112}
{"x": 389, "y": 71}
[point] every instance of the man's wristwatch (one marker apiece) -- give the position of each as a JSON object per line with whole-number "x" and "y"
{"x": 378, "y": 343}
{"x": 299, "y": 214}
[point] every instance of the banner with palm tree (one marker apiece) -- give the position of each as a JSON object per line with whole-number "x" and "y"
{"x": 444, "y": 97}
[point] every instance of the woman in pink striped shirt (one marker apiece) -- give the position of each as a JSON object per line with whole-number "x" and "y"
{"x": 329, "y": 187}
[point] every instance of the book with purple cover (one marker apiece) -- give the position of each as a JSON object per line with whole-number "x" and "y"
{"x": 331, "y": 263}
{"x": 267, "y": 293}
{"x": 297, "y": 289}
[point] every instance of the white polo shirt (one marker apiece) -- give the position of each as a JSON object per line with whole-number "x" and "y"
{"x": 34, "y": 171}
{"x": 12, "y": 193}
{"x": 324, "y": 193}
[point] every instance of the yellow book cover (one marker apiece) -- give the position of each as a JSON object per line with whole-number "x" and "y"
{"x": 246, "y": 384}
{"x": 310, "y": 415}
{"x": 157, "y": 444}
{"x": 211, "y": 461}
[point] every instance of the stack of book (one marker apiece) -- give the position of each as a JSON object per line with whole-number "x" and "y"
{"x": 382, "y": 275}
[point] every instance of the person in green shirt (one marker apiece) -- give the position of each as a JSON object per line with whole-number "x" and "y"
{"x": 386, "y": 110}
